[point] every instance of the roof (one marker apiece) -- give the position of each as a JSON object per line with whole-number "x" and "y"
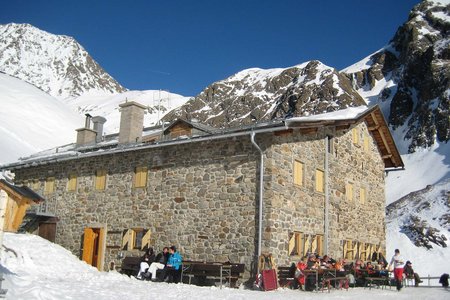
{"x": 20, "y": 191}
{"x": 191, "y": 124}
{"x": 342, "y": 119}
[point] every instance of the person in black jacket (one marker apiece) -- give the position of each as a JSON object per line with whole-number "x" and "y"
{"x": 159, "y": 263}
{"x": 409, "y": 273}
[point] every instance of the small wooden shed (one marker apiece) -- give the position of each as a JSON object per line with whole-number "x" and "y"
{"x": 15, "y": 201}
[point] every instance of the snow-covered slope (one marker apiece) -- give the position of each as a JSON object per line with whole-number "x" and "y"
{"x": 31, "y": 120}
{"x": 36, "y": 269}
{"x": 56, "y": 64}
{"x": 159, "y": 104}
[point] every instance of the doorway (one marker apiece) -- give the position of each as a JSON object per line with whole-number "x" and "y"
{"x": 93, "y": 246}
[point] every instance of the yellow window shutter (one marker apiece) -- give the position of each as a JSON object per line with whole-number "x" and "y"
{"x": 146, "y": 240}
{"x": 128, "y": 239}
{"x": 298, "y": 173}
{"x": 366, "y": 142}
{"x": 291, "y": 246}
{"x": 355, "y": 136}
{"x": 349, "y": 191}
{"x": 319, "y": 181}
{"x": 49, "y": 185}
{"x": 319, "y": 241}
{"x": 307, "y": 244}
{"x": 140, "y": 178}
{"x": 72, "y": 185}
{"x": 100, "y": 180}
{"x": 299, "y": 244}
{"x": 362, "y": 195}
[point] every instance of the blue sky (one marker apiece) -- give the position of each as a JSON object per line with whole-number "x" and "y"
{"x": 183, "y": 46}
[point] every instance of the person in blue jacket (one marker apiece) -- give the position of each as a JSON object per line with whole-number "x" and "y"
{"x": 171, "y": 271}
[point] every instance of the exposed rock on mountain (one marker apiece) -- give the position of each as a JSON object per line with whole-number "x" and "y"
{"x": 423, "y": 215}
{"x": 257, "y": 94}
{"x": 54, "y": 63}
{"x": 411, "y": 76}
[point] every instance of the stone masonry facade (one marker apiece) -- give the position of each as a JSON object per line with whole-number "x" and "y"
{"x": 203, "y": 196}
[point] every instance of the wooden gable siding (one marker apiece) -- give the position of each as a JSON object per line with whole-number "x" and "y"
{"x": 180, "y": 129}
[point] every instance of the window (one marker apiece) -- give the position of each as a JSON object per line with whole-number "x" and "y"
{"x": 349, "y": 191}
{"x": 355, "y": 136}
{"x": 140, "y": 177}
{"x": 301, "y": 244}
{"x": 350, "y": 249}
{"x": 362, "y": 195}
{"x": 49, "y": 187}
{"x": 296, "y": 244}
{"x": 298, "y": 173}
{"x": 72, "y": 183}
{"x": 136, "y": 238}
{"x": 319, "y": 181}
{"x": 330, "y": 144}
{"x": 366, "y": 142}
{"x": 100, "y": 179}
{"x": 35, "y": 185}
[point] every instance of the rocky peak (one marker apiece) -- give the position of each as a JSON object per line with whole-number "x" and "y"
{"x": 261, "y": 95}
{"x": 411, "y": 76}
{"x": 56, "y": 64}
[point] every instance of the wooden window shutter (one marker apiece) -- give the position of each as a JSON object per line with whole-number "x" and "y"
{"x": 140, "y": 177}
{"x": 49, "y": 185}
{"x": 298, "y": 173}
{"x": 72, "y": 184}
{"x": 100, "y": 180}
{"x": 349, "y": 251}
{"x": 366, "y": 142}
{"x": 319, "y": 241}
{"x": 128, "y": 239}
{"x": 349, "y": 191}
{"x": 362, "y": 250}
{"x": 355, "y": 136}
{"x": 319, "y": 181}
{"x": 307, "y": 245}
{"x": 362, "y": 195}
{"x": 146, "y": 240}
{"x": 291, "y": 246}
{"x": 299, "y": 244}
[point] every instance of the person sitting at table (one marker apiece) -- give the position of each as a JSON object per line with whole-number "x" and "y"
{"x": 312, "y": 264}
{"x": 370, "y": 269}
{"x": 340, "y": 268}
{"x": 326, "y": 263}
{"x": 299, "y": 275}
{"x": 171, "y": 272}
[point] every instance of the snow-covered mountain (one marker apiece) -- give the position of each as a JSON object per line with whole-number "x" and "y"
{"x": 32, "y": 120}
{"x": 258, "y": 95}
{"x": 56, "y": 64}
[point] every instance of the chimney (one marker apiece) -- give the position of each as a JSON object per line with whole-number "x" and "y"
{"x": 86, "y": 136}
{"x": 131, "y": 122}
{"x": 98, "y": 127}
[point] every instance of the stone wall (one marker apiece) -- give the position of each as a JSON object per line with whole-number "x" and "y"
{"x": 203, "y": 197}
{"x": 301, "y": 209}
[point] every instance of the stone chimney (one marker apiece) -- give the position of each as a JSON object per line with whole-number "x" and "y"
{"x": 98, "y": 127}
{"x": 131, "y": 122}
{"x": 86, "y": 136}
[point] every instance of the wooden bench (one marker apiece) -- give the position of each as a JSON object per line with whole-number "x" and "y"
{"x": 286, "y": 276}
{"x": 130, "y": 265}
{"x": 342, "y": 282}
{"x": 382, "y": 280}
{"x": 202, "y": 271}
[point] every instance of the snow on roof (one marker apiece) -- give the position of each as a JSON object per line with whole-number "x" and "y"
{"x": 343, "y": 114}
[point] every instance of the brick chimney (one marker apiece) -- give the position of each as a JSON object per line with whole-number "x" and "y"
{"x": 98, "y": 127}
{"x": 131, "y": 122}
{"x": 86, "y": 136}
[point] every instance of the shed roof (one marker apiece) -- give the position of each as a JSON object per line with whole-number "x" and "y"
{"x": 20, "y": 192}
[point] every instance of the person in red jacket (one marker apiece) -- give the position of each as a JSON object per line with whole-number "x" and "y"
{"x": 301, "y": 265}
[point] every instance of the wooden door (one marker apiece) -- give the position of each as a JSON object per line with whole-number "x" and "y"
{"x": 88, "y": 245}
{"x": 48, "y": 231}
{"x": 93, "y": 242}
